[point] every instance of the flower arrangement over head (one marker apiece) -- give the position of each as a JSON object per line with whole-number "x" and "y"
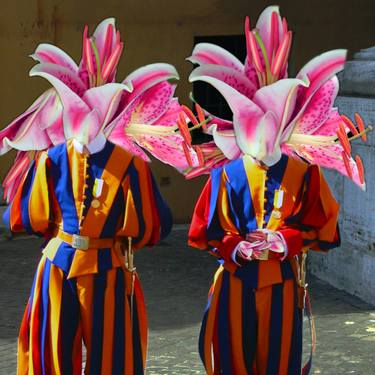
{"x": 274, "y": 114}
{"x": 138, "y": 113}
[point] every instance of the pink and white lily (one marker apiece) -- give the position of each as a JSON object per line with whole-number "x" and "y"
{"x": 271, "y": 113}
{"x": 140, "y": 113}
{"x": 268, "y": 47}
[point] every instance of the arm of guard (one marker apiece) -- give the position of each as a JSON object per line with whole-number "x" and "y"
{"x": 315, "y": 225}
{"x": 30, "y": 209}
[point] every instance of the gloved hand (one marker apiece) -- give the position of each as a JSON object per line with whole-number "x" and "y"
{"x": 257, "y": 242}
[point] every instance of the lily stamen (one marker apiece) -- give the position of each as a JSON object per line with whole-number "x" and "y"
{"x": 362, "y": 133}
{"x": 135, "y": 129}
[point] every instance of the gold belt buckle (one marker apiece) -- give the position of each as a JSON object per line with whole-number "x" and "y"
{"x": 80, "y": 242}
{"x": 264, "y": 255}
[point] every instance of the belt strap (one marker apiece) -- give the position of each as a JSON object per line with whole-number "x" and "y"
{"x": 305, "y": 305}
{"x": 308, "y": 313}
{"x": 84, "y": 242}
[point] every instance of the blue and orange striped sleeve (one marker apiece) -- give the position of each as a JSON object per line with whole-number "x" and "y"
{"x": 147, "y": 217}
{"x": 30, "y": 209}
{"x": 213, "y": 223}
{"x": 315, "y": 225}
{"x": 199, "y": 221}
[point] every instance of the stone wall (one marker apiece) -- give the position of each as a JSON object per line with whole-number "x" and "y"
{"x": 352, "y": 266}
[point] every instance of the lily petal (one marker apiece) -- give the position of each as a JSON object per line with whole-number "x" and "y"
{"x": 264, "y": 26}
{"x": 110, "y": 67}
{"x": 60, "y": 73}
{"x": 148, "y": 76}
{"x": 322, "y": 68}
{"x": 280, "y": 98}
{"x": 214, "y": 158}
{"x": 141, "y": 80}
{"x": 119, "y": 137}
{"x": 169, "y": 150}
{"x": 105, "y": 99}
{"x": 153, "y": 103}
{"x": 330, "y": 157}
{"x": 170, "y": 116}
{"x": 230, "y": 76}
{"x": 317, "y": 72}
{"x": 251, "y": 73}
{"x": 226, "y": 141}
{"x": 221, "y": 123}
{"x": 15, "y": 175}
{"x": 28, "y": 132}
{"x": 236, "y": 101}
{"x": 331, "y": 125}
{"x": 100, "y": 35}
{"x": 75, "y": 109}
{"x": 29, "y": 136}
{"x": 262, "y": 139}
{"x": 21, "y": 123}
{"x": 246, "y": 114}
{"x": 319, "y": 108}
{"x": 55, "y": 132}
{"x": 50, "y": 119}
{"x": 207, "y": 53}
{"x": 89, "y": 126}
{"x": 48, "y": 53}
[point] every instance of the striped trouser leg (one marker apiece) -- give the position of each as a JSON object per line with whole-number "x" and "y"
{"x": 114, "y": 324}
{"x": 251, "y": 332}
{"x": 50, "y": 335}
{"x": 279, "y": 326}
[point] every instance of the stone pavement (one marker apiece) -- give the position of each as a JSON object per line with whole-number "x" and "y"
{"x": 175, "y": 281}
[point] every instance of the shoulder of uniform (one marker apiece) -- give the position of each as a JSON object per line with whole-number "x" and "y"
{"x": 54, "y": 152}
{"x": 299, "y": 164}
{"x": 215, "y": 171}
{"x": 233, "y": 165}
{"x": 43, "y": 156}
{"x": 122, "y": 152}
{"x": 233, "y": 170}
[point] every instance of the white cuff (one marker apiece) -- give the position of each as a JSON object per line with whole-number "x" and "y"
{"x": 284, "y": 244}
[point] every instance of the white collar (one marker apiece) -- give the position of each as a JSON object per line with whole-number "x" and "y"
{"x": 96, "y": 145}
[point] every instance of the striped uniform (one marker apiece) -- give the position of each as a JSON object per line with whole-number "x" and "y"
{"x": 86, "y": 294}
{"x": 252, "y": 324}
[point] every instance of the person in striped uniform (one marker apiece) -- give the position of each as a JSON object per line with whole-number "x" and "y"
{"x": 252, "y": 324}
{"x": 266, "y": 202}
{"x": 94, "y": 205}
{"x": 81, "y": 180}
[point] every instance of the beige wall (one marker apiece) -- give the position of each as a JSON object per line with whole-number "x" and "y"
{"x": 163, "y": 31}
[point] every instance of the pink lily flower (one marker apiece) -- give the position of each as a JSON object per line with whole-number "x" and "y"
{"x": 140, "y": 113}
{"x": 268, "y": 47}
{"x": 272, "y": 113}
